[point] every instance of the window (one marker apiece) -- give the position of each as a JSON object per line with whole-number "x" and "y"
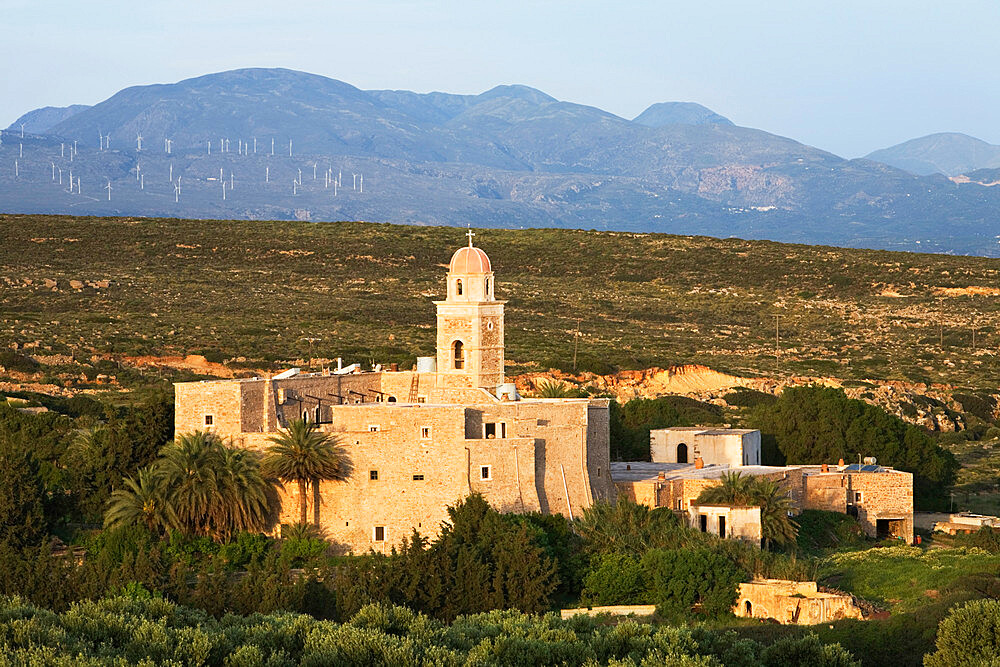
{"x": 373, "y": 475}
{"x": 487, "y": 288}
{"x": 305, "y": 415}
{"x": 208, "y": 420}
{"x": 318, "y": 414}
{"x": 680, "y": 503}
{"x": 392, "y": 399}
{"x": 459, "y": 355}
{"x": 458, "y": 287}
{"x": 378, "y": 533}
{"x": 682, "y": 453}
{"x": 722, "y": 526}
{"x": 703, "y": 523}
{"x": 858, "y": 497}
{"x": 374, "y": 428}
{"x": 486, "y": 472}
{"x": 418, "y": 477}
{"x": 421, "y": 399}
{"x": 425, "y": 432}
{"x": 494, "y": 430}
{"x": 598, "y": 471}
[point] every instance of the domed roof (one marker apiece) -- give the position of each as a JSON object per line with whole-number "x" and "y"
{"x": 470, "y": 260}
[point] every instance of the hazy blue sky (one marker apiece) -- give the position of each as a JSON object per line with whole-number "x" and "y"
{"x": 846, "y": 76}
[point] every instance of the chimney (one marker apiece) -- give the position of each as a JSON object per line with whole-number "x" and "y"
{"x": 824, "y": 468}
{"x": 840, "y": 463}
{"x": 394, "y": 367}
{"x": 699, "y": 463}
{"x": 662, "y": 476}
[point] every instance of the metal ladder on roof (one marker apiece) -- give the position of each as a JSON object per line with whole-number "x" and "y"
{"x": 413, "y": 387}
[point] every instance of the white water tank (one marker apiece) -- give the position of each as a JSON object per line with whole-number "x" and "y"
{"x": 427, "y": 364}
{"x": 507, "y": 392}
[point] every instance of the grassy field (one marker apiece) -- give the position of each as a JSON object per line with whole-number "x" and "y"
{"x": 258, "y": 290}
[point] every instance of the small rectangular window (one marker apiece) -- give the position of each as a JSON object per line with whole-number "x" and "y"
{"x": 425, "y": 432}
{"x": 857, "y": 497}
{"x": 418, "y": 477}
{"x": 373, "y": 475}
{"x": 485, "y": 472}
{"x": 598, "y": 471}
{"x": 489, "y": 431}
{"x": 378, "y": 534}
{"x": 208, "y": 420}
{"x": 421, "y": 399}
{"x": 503, "y": 430}
{"x": 374, "y": 428}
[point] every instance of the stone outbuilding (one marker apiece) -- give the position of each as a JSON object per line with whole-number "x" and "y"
{"x": 730, "y": 521}
{"x": 793, "y": 602}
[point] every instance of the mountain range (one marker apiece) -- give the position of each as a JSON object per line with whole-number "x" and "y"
{"x": 283, "y": 144}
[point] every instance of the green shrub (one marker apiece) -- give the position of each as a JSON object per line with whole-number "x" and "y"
{"x": 245, "y": 548}
{"x": 14, "y": 361}
{"x": 682, "y": 578}
{"x": 970, "y": 635}
{"x": 301, "y": 550}
{"x": 615, "y": 579}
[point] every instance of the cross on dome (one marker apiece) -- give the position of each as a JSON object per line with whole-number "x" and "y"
{"x": 470, "y": 234}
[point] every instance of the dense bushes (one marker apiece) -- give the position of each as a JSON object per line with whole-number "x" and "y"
{"x": 970, "y": 635}
{"x": 820, "y": 424}
{"x": 139, "y": 627}
{"x": 673, "y": 579}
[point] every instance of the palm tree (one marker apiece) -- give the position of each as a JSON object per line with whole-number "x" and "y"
{"x": 558, "y": 389}
{"x": 304, "y": 455}
{"x": 141, "y": 501}
{"x": 244, "y": 493}
{"x": 776, "y": 526}
{"x": 770, "y": 496}
{"x": 734, "y": 489}
{"x": 629, "y": 527}
{"x": 189, "y": 469}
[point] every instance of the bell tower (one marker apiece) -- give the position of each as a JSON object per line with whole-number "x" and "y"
{"x": 470, "y": 324}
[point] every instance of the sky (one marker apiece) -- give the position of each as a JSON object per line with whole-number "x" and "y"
{"x": 848, "y": 76}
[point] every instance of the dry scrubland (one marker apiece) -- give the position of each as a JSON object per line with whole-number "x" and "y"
{"x": 257, "y": 290}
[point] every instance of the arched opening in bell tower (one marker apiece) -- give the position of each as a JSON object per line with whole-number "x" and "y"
{"x": 458, "y": 287}
{"x": 458, "y": 355}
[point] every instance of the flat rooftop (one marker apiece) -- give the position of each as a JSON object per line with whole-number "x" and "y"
{"x": 645, "y": 471}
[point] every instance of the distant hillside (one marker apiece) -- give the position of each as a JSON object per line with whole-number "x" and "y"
{"x": 948, "y": 153}
{"x": 280, "y": 144}
{"x": 679, "y": 113}
{"x": 42, "y": 120}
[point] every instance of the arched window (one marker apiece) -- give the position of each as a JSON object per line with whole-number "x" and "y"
{"x": 319, "y": 413}
{"x": 458, "y": 354}
{"x": 487, "y": 288}
{"x": 682, "y": 453}
{"x": 458, "y": 287}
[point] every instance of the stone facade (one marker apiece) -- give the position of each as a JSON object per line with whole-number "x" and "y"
{"x": 793, "y": 602}
{"x": 881, "y": 499}
{"x": 417, "y": 442}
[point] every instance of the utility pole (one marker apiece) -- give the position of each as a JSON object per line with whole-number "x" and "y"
{"x": 777, "y": 340}
{"x": 941, "y": 336}
{"x": 576, "y": 343}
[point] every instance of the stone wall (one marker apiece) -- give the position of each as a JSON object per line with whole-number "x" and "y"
{"x": 792, "y": 602}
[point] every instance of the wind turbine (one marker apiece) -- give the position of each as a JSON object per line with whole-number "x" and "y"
{"x": 78, "y": 190}
{"x": 142, "y": 181}
{"x": 355, "y": 186}
{"x": 361, "y": 187}
{"x": 171, "y": 177}
{"x": 108, "y": 188}
{"x": 272, "y": 146}
{"x": 231, "y": 182}
{"x": 177, "y": 193}
{"x": 62, "y": 150}
{"x": 209, "y": 147}
{"x": 314, "y": 171}
{"x": 53, "y": 170}
{"x": 20, "y": 150}
{"x": 267, "y": 174}
{"x": 300, "y": 177}
{"x": 170, "y": 145}
{"x": 16, "y": 172}
{"x": 74, "y": 148}
{"x": 255, "y": 145}
{"x": 223, "y": 191}
{"x": 289, "y": 148}
{"x": 101, "y": 138}
{"x": 60, "y": 176}
{"x": 22, "y": 130}
{"x": 295, "y": 189}
{"x": 138, "y": 142}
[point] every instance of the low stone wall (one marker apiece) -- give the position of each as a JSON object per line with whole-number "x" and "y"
{"x": 614, "y": 610}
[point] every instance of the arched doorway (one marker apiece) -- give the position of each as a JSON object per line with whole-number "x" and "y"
{"x": 748, "y": 609}
{"x": 682, "y": 453}
{"x": 458, "y": 355}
